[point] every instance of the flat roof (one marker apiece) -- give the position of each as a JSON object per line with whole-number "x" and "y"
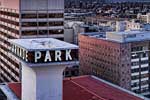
{"x": 121, "y": 37}
{"x": 128, "y": 36}
{"x": 88, "y": 88}
{"x": 95, "y": 34}
{"x": 132, "y": 32}
{"x": 42, "y": 44}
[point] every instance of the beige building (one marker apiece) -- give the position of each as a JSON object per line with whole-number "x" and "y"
{"x": 26, "y": 19}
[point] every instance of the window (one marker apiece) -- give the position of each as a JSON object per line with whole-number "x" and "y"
{"x": 42, "y": 23}
{"x": 56, "y": 15}
{"x": 135, "y": 70}
{"x": 139, "y": 48}
{"x": 29, "y": 32}
{"x": 29, "y": 16}
{"x": 29, "y": 24}
{"x": 56, "y": 23}
{"x": 42, "y": 15}
{"x": 56, "y": 31}
{"x": 144, "y": 69}
{"x": 135, "y": 77}
{"x": 134, "y": 63}
{"x": 43, "y": 32}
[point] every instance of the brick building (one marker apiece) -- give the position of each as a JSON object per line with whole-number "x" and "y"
{"x": 119, "y": 57}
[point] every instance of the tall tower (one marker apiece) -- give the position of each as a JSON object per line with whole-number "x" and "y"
{"x": 43, "y": 62}
{"x": 26, "y": 19}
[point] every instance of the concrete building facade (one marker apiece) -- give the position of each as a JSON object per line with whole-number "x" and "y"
{"x": 26, "y": 19}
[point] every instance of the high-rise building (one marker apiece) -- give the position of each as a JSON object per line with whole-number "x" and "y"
{"x": 26, "y": 19}
{"x": 119, "y": 57}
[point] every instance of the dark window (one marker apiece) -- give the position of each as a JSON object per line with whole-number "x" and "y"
{"x": 135, "y": 70}
{"x": 29, "y": 15}
{"x": 56, "y": 23}
{"x": 43, "y": 32}
{"x": 134, "y": 63}
{"x": 144, "y": 69}
{"x": 56, "y": 15}
{"x": 42, "y": 23}
{"x": 29, "y": 32}
{"x": 29, "y": 24}
{"x": 56, "y": 31}
{"x": 42, "y": 16}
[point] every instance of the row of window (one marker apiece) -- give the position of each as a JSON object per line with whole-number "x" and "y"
{"x": 99, "y": 46}
{"x": 5, "y": 42}
{"x": 139, "y": 63}
{"x": 144, "y": 82}
{"x": 6, "y": 57}
{"x": 135, "y": 84}
{"x": 139, "y": 84}
{"x": 139, "y": 48}
{"x": 139, "y": 55}
{"x": 9, "y": 21}
{"x": 8, "y": 74}
{"x": 12, "y": 14}
{"x": 142, "y": 90}
{"x": 138, "y": 70}
{"x": 4, "y": 78}
{"x": 140, "y": 76}
{"x": 100, "y": 68}
{"x": 9, "y": 67}
{"x": 42, "y": 15}
{"x": 103, "y": 53}
{"x": 42, "y": 32}
{"x": 7, "y": 35}
{"x": 9, "y": 29}
{"x": 33, "y": 15}
{"x": 34, "y": 24}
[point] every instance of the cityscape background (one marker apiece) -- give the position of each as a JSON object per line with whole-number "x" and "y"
{"x": 75, "y": 49}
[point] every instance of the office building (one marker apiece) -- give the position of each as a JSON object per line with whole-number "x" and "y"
{"x": 26, "y": 19}
{"x": 119, "y": 57}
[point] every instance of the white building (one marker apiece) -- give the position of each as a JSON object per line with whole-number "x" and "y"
{"x": 72, "y": 29}
{"x": 144, "y": 18}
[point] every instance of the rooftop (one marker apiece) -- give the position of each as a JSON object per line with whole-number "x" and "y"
{"x": 121, "y": 37}
{"x": 132, "y": 32}
{"x": 128, "y": 36}
{"x": 95, "y": 34}
{"x": 42, "y": 44}
{"x": 88, "y": 88}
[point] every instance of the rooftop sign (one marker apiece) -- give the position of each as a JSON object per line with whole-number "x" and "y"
{"x": 45, "y": 50}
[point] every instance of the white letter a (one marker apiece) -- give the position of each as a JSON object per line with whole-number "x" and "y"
{"x": 47, "y": 56}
